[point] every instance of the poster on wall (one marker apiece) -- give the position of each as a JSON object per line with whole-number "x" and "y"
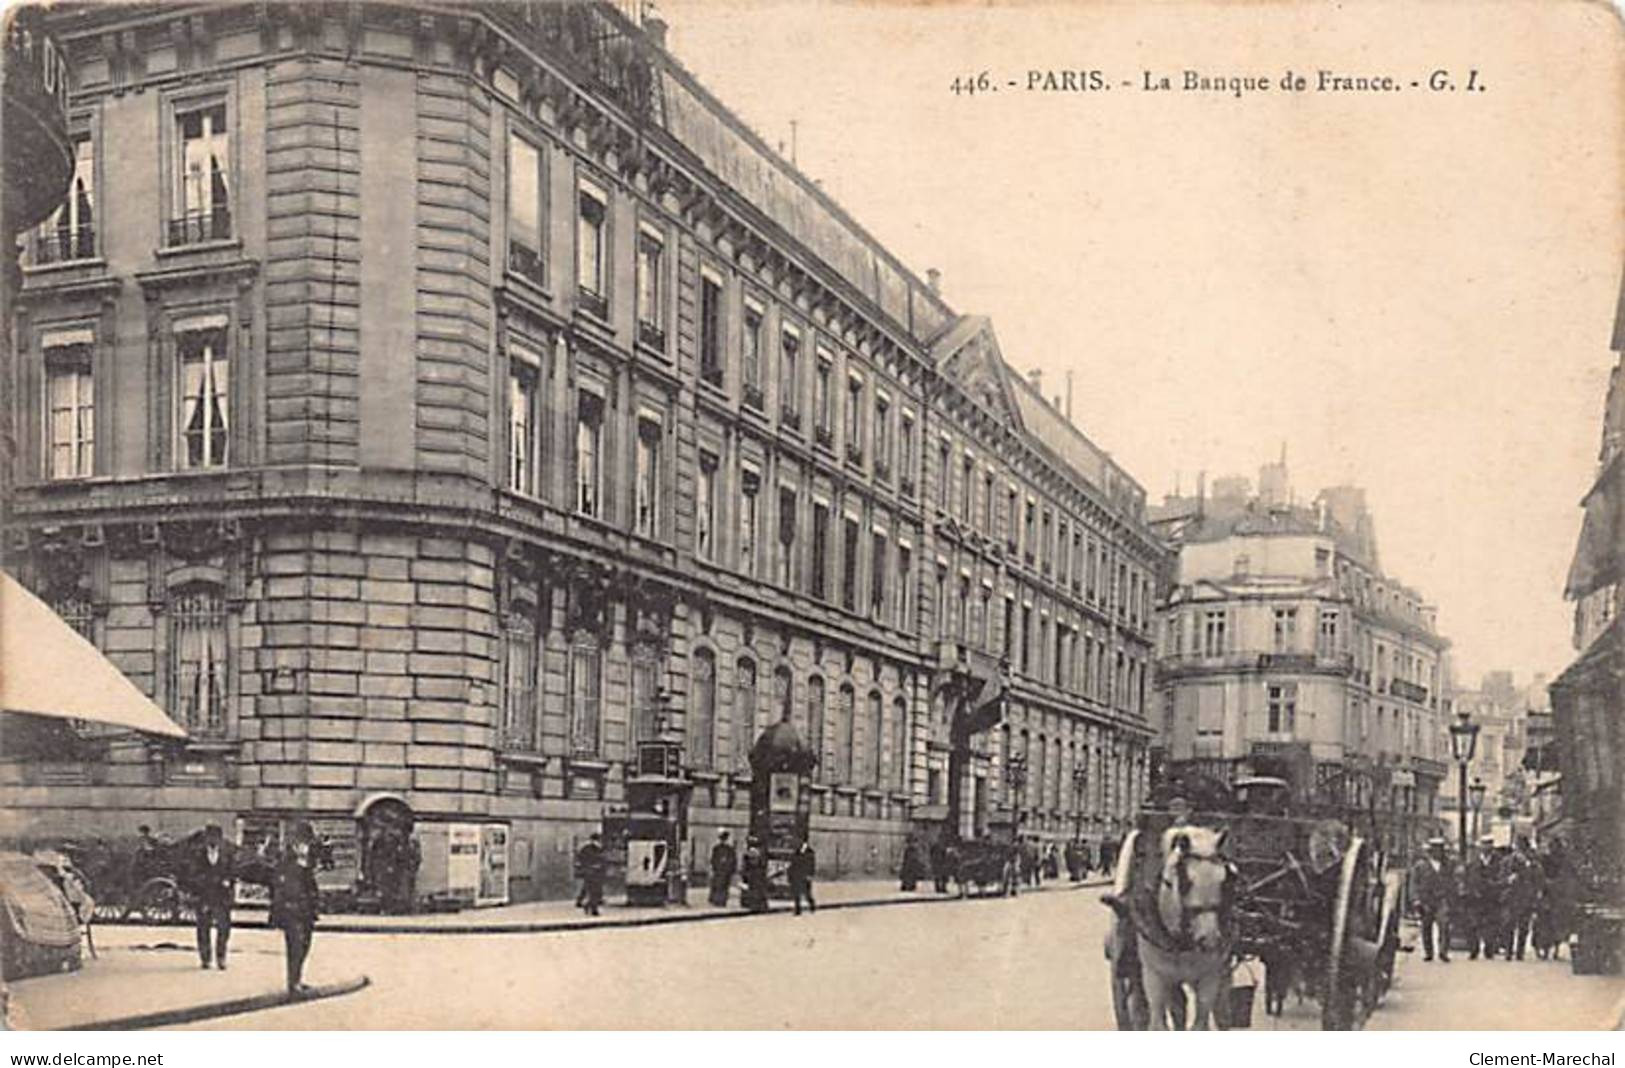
{"x": 493, "y": 865}
{"x": 463, "y": 861}
{"x": 344, "y": 850}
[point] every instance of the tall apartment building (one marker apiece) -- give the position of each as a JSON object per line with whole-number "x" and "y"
{"x": 427, "y": 405}
{"x": 1588, "y": 697}
{"x": 1286, "y": 651}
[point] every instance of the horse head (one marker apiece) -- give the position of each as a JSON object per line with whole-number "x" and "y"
{"x": 1193, "y": 897}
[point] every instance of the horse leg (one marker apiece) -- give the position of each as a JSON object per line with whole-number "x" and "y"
{"x": 1208, "y": 989}
{"x": 1156, "y": 997}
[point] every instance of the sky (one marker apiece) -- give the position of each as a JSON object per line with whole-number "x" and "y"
{"x": 1411, "y": 290}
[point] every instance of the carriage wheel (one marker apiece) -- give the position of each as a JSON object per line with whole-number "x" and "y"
{"x": 1393, "y": 885}
{"x": 1347, "y": 992}
{"x": 159, "y": 901}
{"x": 1129, "y": 1005}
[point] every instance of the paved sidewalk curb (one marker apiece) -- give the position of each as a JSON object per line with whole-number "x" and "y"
{"x": 656, "y": 920}
{"x": 679, "y": 914}
{"x": 213, "y": 1009}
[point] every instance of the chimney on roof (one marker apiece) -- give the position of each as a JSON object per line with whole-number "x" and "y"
{"x": 933, "y": 280}
{"x": 1036, "y": 377}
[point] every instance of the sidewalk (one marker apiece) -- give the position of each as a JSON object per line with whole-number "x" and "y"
{"x": 545, "y": 916}
{"x": 149, "y": 976}
{"x": 130, "y": 987}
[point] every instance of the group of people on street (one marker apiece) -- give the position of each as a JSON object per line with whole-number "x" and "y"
{"x": 753, "y": 895}
{"x": 209, "y": 873}
{"x": 1504, "y": 900}
{"x": 1030, "y": 863}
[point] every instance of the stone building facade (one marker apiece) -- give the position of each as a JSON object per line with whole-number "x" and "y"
{"x": 1287, "y": 651}
{"x": 432, "y": 405}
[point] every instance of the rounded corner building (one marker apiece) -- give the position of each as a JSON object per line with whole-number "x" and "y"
{"x": 429, "y": 405}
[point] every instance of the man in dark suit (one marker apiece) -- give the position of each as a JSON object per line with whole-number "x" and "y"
{"x": 803, "y": 864}
{"x": 294, "y": 901}
{"x": 1433, "y": 886}
{"x": 590, "y": 865}
{"x": 212, "y": 873}
{"x": 1480, "y": 900}
{"x": 724, "y": 862}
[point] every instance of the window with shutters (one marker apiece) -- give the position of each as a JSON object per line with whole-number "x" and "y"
{"x": 823, "y": 401}
{"x": 519, "y": 682}
{"x": 70, "y": 400}
{"x": 199, "y": 660}
{"x": 586, "y": 704}
{"x": 701, "y": 731}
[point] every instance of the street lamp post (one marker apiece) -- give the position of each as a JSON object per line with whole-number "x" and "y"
{"x": 1477, "y": 789}
{"x": 1018, "y": 785}
{"x": 1080, "y": 784}
{"x": 1463, "y": 740}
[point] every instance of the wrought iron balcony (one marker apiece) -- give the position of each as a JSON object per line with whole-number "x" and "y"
{"x": 594, "y": 304}
{"x": 651, "y": 335}
{"x": 825, "y": 437}
{"x": 196, "y": 228}
{"x": 63, "y": 244}
{"x": 789, "y": 417}
{"x": 753, "y": 396}
{"x": 525, "y": 262}
{"x": 906, "y": 486}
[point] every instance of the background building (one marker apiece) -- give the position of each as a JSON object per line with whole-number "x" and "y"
{"x": 426, "y": 407}
{"x": 1588, "y": 698}
{"x": 1287, "y": 651}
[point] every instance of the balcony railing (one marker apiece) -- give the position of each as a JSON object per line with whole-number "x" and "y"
{"x": 711, "y": 374}
{"x": 58, "y": 246}
{"x": 197, "y": 228}
{"x": 753, "y": 396}
{"x": 525, "y": 262}
{"x": 905, "y": 485}
{"x": 854, "y": 453}
{"x": 652, "y": 335}
{"x": 594, "y": 304}
{"x": 882, "y": 471}
{"x": 1410, "y": 691}
{"x": 789, "y": 417}
{"x": 825, "y": 437}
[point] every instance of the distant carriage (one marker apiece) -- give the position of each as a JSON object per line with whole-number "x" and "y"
{"x": 1305, "y": 895}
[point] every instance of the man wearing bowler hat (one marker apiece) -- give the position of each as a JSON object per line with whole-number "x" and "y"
{"x": 212, "y": 872}
{"x": 294, "y": 900}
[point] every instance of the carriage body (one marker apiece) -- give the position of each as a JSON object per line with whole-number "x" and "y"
{"x": 1310, "y": 901}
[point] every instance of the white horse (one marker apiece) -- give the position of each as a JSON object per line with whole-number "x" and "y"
{"x": 1192, "y": 948}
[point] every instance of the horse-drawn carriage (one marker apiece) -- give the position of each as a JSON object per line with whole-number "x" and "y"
{"x": 1196, "y": 893}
